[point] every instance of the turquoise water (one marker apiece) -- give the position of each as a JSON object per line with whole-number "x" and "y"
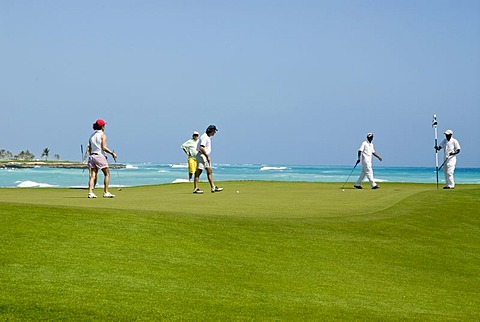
{"x": 137, "y": 174}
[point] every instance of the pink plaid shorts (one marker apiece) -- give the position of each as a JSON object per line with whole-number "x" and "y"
{"x": 98, "y": 161}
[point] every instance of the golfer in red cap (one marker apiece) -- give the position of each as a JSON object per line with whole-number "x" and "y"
{"x": 97, "y": 147}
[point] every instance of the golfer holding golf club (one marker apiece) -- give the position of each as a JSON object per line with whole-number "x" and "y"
{"x": 366, "y": 151}
{"x": 203, "y": 160}
{"x": 451, "y": 148}
{"x": 97, "y": 147}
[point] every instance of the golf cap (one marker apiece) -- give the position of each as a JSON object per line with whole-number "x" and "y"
{"x": 369, "y": 135}
{"x": 196, "y": 133}
{"x": 211, "y": 128}
{"x": 100, "y": 122}
{"x": 448, "y": 132}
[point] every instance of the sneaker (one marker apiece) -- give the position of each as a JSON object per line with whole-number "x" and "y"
{"x": 196, "y": 190}
{"x": 91, "y": 195}
{"x": 376, "y": 187}
{"x": 447, "y": 187}
{"x": 108, "y": 195}
{"x": 357, "y": 187}
{"x": 216, "y": 189}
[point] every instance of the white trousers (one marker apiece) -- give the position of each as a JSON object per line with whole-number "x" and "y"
{"x": 448, "y": 170}
{"x": 367, "y": 171}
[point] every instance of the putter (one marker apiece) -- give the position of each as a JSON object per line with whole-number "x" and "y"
{"x": 118, "y": 176}
{"x": 444, "y": 162}
{"x": 81, "y": 149}
{"x": 349, "y": 176}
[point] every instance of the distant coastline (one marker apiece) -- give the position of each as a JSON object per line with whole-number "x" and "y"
{"x": 50, "y": 164}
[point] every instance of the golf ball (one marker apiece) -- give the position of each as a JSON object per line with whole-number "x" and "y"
{"x": 343, "y": 190}
{"x": 238, "y": 191}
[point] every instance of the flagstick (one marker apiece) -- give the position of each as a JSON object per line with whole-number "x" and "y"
{"x": 434, "y": 124}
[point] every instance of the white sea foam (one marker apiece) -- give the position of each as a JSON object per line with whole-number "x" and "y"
{"x": 273, "y": 168}
{"x": 180, "y": 180}
{"x": 32, "y": 184}
{"x": 129, "y": 166}
{"x": 163, "y": 171}
{"x": 177, "y": 166}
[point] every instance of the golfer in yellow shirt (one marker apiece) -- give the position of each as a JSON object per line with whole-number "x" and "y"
{"x": 190, "y": 149}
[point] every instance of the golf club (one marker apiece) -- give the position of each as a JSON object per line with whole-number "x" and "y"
{"x": 349, "y": 176}
{"x": 439, "y": 168}
{"x": 81, "y": 149}
{"x": 118, "y": 176}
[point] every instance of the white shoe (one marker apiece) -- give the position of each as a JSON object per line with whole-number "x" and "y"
{"x": 108, "y": 195}
{"x": 196, "y": 190}
{"x": 91, "y": 195}
{"x": 216, "y": 189}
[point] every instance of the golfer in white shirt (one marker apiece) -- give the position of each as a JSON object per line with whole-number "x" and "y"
{"x": 203, "y": 160}
{"x": 451, "y": 148}
{"x": 366, "y": 151}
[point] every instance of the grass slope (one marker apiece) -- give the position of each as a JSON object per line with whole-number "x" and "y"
{"x": 274, "y": 251}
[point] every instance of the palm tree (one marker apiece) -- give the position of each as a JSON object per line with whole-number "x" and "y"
{"x": 45, "y": 153}
{"x": 25, "y": 155}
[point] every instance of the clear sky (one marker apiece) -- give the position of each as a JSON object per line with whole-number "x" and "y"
{"x": 286, "y": 82}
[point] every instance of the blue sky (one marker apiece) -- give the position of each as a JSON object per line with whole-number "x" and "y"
{"x": 286, "y": 82}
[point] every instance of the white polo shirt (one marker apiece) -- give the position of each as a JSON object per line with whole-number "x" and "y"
{"x": 367, "y": 150}
{"x": 450, "y": 146}
{"x": 206, "y": 142}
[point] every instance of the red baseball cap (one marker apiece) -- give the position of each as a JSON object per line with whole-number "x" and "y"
{"x": 100, "y": 122}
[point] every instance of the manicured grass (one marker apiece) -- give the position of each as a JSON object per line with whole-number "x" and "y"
{"x": 273, "y": 251}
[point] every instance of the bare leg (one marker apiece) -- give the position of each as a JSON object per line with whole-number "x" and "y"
{"x": 210, "y": 177}
{"x": 93, "y": 179}
{"x": 106, "y": 181}
{"x": 197, "y": 178}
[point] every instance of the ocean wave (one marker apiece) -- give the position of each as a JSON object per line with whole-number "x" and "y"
{"x": 32, "y": 184}
{"x": 129, "y": 166}
{"x": 177, "y": 166}
{"x": 273, "y": 168}
{"x": 180, "y": 181}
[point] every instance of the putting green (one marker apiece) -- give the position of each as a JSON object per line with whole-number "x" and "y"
{"x": 273, "y": 251}
{"x": 257, "y": 199}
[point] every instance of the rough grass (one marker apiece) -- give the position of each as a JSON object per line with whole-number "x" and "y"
{"x": 274, "y": 251}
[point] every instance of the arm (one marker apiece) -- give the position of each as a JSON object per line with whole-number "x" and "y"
{"x": 377, "y": 156}
{"x": 358, "y": 158}
{"x": 104, "y": 147}
{"x": 457, "y": 151}
{"x": 87, "y": 153}
{"x": 202, "y": 150}
{"x": 184, "y": 148}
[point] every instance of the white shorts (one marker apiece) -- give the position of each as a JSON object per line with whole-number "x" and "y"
{"x": 202, "y": 162}
{"x": 98, "y": 161}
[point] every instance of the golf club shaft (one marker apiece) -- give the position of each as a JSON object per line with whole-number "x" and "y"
{"x": 81, "y": 149}
{"x": 349, "y": 175}
{"x": 443, "y": 163}
{"x": 118, "y": 175}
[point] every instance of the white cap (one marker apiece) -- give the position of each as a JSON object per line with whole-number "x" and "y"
{"x": 449, "y": 132}
{"x": 196, "y": 133}
{"x": 369, "y": 135}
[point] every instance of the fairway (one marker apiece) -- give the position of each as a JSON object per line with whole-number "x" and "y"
{"x": 273, "y": 251}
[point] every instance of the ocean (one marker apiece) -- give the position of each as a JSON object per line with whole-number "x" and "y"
{"x": 139, "y": 174}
